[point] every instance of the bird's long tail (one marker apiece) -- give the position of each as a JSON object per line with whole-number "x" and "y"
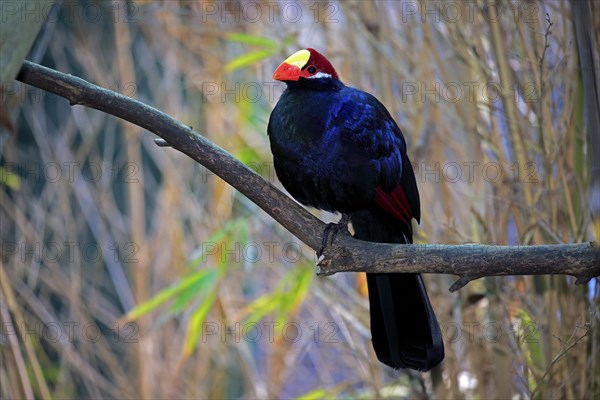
{"x": 405, "y": 331}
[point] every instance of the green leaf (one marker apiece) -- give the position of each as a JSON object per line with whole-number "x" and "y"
{"x": 10, "y": 179}
{"x": 288, "y": 294}
{"x": 196, "y": 290}
{"x": 299, "y": 281}
{"x": 263, "y": 305}
{"x": 195, "y": 325}
{"x": 218, "y": 236}
{"x": 251, "y": 40}
{"x": 314, "y": 394}
{"x": 329, "y": 393}
{"x": 242, "y": 234}
{"x": 246, "y": 59}
{"x": 205, "y": 277}
{"x": 530, "y": 342}
{"x": 248, "y": 155}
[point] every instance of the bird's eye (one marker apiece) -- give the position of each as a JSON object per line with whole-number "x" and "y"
{"x": 312, "y": 69}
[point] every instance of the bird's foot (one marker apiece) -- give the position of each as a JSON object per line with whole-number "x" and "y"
{"x": 331, "y": 230}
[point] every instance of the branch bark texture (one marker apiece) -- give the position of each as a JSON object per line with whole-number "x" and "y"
{"x": 346, "y": 253}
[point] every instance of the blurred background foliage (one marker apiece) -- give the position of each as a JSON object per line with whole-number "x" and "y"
{"x": 129, "y": 271}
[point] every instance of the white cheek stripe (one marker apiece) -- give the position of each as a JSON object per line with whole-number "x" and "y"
{"x": 319, "y": 75}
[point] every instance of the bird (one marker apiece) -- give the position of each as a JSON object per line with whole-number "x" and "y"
{"x": 337, "y": 148}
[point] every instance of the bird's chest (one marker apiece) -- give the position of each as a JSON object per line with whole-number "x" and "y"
{"x": 315, "y": 163}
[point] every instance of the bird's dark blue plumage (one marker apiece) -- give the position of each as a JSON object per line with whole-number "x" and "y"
{"x": 338, "y": 149}
{"x": 333, "y": 147}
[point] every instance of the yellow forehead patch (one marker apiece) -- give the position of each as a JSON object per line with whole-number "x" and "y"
{"x": 299, "y": 58}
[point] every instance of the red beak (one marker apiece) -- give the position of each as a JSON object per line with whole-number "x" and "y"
{"x": 286, "y": 72}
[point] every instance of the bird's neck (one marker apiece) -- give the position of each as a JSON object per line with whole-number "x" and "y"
{"x": 321, "y": 84}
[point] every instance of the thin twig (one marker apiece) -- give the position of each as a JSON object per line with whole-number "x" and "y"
{"x": 568, "y": 345}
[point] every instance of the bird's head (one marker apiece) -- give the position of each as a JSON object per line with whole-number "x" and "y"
{"x": 305, "y": 64}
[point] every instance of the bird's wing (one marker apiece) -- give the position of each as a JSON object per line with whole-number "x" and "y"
{"x": 364, "y": 123}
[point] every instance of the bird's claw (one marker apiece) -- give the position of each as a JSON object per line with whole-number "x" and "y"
{"x": 324, "y": 239}
{"x": 329, "y": 233}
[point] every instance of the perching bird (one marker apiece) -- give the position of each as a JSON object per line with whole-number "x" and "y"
{"x": 337, "y": 148}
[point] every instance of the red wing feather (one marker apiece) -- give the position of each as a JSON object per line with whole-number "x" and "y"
{"x": 394, "y": 203}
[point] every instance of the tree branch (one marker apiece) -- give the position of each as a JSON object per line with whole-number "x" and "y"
{"x": 346, "y": 253}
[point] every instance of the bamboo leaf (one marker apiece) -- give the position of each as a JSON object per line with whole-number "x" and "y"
{"x": 171, "y": 292}
{"x": 289, "y": 294}
{"x": 300, "y": 282}
{"x": 314, "y": 394}
{"x": 251, "y": 40}
{"x": 185, "y": 297}
{"x": 195, "y": 325}
{"x": 529, "y": 338}
{"x": 9, "y": 179}
{"x": 228, "y": 228}
{"x": 247, "y": 59}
